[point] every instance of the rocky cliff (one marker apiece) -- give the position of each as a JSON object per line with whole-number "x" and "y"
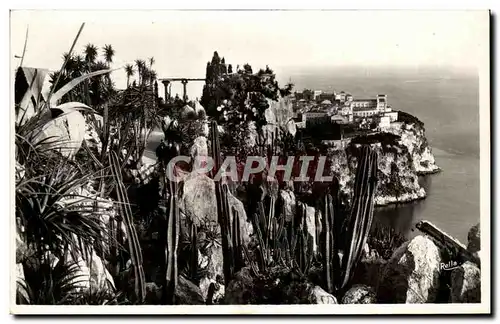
{"x": 404, "y": 154}
{"x": 412, "y": 133}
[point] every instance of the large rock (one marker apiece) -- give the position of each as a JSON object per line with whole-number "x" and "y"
{"x": 300, "y": 292}
{"x": 412, "y": 274}
{"x": 310, "y": 222}
{"x": 187, "y": 293}
{"x": 199, "y": 147}
{"x": 474, "y": 239}
{"x": 199, "y": 204}
{"x": 360, "y": 294}
{"x": 198, "y": 200}
{"x": 466, "y": 284}
{"x": 318, "y": 296}
{"x": 288, "y": 199}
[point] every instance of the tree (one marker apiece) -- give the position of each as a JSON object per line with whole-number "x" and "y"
{"x": 90, "y": 53}
{"x": 109, "y": 52}
{"x": 140, "y": 70}
{"x": 129, "y": 70}
{"x": 229, "y": 69}
{"x": 94, "y": 91}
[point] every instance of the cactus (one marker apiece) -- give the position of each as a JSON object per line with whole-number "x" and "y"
{"x": 357, "y": 226}
{"x": 237, "y": 241}
{"x": 223, "y": 211}
{"x": 173, "y": 227}
{"x": 194, "y": 253}
{"x": 133, "y": 240}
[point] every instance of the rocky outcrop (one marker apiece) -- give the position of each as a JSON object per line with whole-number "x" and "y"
{"x": 360, "y": 294}
{"x": 300, "y": 292}
{"x": 198, "y": 203}
{"x": 466, "y": 284}
{"x": 398, "y": 179}
{"x": 199, "y": 206}
{"x": 288, "y": 199}
{"x": 413, "y": 137}
{"x": 412, "y": 274}
{"x": 187, "y": 293}
{"x": 474, "y": 239}
{"x": 310, "y": 222}
{"x": 199, "y": 148}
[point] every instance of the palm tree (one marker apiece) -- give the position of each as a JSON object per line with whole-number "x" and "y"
{"x": 90, "y": 53}
{"x": 109, "y": 52}
{"x": 129, "y": 70}
{"x": 151, "y": 72}
{"x": 140, "y": 68}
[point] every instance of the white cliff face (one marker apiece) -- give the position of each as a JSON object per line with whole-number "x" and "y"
{"x": 398, "y": 177}
{"x": 413, "y": 137}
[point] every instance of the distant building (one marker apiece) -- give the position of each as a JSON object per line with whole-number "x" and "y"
{"x": 316, "y": 94}
{"x": 384, "y": 122}
{"x": 326, "y": 96}
{"x": 338, "y": 119}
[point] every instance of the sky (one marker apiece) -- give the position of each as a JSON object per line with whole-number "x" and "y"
{"x": 182, "y": 42}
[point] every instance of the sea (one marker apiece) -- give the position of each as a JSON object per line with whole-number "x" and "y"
{"x": 447, "y": 102}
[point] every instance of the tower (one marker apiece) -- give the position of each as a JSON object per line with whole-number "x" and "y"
{"x": 381, "y": 102}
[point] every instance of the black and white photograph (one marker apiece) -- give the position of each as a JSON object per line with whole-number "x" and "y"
{"x": 250, "y": 162}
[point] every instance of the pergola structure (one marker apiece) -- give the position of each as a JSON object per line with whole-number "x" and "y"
{"x": 166, "y": 82}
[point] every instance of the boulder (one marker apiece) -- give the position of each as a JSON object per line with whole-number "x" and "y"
{"x": 310, "y": 222}
{"x": 187, "y": 293}
{"x": 199, "y": 204}
{"x": 360, "y": 294}
{"x": 412, "y": 274}
{"x": 466, "y": 284}
{"x": 288, "y": 199}
{"x": 199, "y": 147}
{"x": 198, "y": 201}
{"x": 318, "y": 296}
{"x": 474, "y": 239}
{"x": 304, "y": 292}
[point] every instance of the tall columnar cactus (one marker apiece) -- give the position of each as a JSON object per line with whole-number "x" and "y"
{"x": 194, "y": 253}
{"x": 172, "y": 243}
{"x": 223, "y": 210}
{"x": 357, "y": 225}
{"x": 133, "y": 240}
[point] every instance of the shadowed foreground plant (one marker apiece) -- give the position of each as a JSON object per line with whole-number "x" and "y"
{"x": 133, "y": 240}
{"x": 45, "y": 284}
{"x": 351, "y": 236}
{"x": 51, "y": 212}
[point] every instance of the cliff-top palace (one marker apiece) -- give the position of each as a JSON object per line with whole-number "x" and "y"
{"x": 342, "y": 108}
